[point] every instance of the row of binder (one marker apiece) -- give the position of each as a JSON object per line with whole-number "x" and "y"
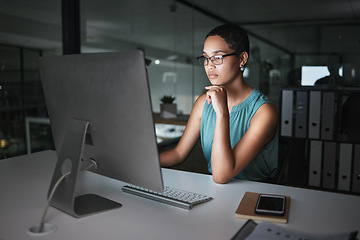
{"x": 328, "y": 122}
{"x": 308, "y": 114}
{"x": 321, "y": 114}
{"x": 334, "y": 165}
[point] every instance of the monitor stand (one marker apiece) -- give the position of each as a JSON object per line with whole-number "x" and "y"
{"x": 69, "y": 159}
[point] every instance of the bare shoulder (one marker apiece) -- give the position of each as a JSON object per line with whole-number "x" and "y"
{"x": 199, "y": 105}
{"x": 263, "y": 123}
{"x": 267, "y": 110}
{"x": 265, "y": 117}
{"x": 201, "y": 99}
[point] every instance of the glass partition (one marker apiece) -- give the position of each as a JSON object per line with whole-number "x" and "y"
{"x": 165, "y": 34}
{"x": 171, "y": 34}
{"x": 12, "y": 118}
{"x": 21, "y": 97}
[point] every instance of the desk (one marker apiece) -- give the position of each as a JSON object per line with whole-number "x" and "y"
{"x": 24, "y": 183}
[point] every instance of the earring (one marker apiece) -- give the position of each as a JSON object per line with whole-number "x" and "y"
{"x": 242, "y": 68}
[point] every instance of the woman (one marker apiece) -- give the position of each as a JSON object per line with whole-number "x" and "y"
{"x": 236, "y": 123}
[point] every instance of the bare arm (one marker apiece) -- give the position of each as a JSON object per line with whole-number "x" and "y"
{"x": 188, "y": 139}
{"x": 226, "y": 162}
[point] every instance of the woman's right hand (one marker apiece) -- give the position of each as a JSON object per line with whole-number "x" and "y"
{"x": 218, "y": 97}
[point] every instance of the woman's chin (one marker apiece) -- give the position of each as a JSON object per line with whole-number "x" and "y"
{"x": 215, "y": 82}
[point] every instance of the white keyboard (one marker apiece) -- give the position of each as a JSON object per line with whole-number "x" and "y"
{"x": 175, "y": 197}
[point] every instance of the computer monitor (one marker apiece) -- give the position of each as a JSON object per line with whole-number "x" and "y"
{"x": 310, "y": 74}
{"x": 100, "y": 110}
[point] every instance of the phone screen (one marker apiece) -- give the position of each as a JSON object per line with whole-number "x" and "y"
{"x": 270, "y": 204}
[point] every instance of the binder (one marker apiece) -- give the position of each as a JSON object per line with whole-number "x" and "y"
{"x": 301, "y": 114}
{"x": 345, "y": 156}
{"x": 286, "y": 113}
{"x": 314, "y": 114}
{"x": 327, "y": 119}
{"x": 353, "y": 117}
{"x": 329, "y": 165}
{"x": 315, "y": 163}
{"x": 356, "y": 169}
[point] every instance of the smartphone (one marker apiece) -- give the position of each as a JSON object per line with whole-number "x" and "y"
{"x": 270, "y": 205}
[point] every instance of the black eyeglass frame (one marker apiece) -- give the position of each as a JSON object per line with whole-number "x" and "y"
{"x": 203, "y": 58}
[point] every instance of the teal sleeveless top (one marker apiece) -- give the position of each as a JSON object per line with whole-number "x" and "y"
{"x": 264, "y": 165}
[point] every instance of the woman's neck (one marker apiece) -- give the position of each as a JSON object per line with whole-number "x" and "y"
{"x": 237, "y": 92}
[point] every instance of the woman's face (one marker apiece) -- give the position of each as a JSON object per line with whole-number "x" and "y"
{"x": 229, "y": 69}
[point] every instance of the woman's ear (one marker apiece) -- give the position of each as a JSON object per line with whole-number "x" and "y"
{"x": 243, "y": 58}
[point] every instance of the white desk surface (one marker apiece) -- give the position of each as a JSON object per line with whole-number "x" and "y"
{"x": 24, "y": 183}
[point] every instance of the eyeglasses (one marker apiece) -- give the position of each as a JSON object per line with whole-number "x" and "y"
{"x": 216, "y": 59}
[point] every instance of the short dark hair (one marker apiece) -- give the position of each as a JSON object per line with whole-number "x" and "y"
{"x": 233, "y": 35}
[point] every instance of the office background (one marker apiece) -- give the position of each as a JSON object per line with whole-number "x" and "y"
{"x": 284, "y": 35}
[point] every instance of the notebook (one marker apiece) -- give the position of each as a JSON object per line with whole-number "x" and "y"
{"x": 246, "y": 209}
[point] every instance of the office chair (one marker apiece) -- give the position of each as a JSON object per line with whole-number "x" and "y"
{"x": 285, "y": 146}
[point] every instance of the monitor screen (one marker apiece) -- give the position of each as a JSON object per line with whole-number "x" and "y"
{"x": 310, "y": 74}
{"x": 100, "y": 110}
